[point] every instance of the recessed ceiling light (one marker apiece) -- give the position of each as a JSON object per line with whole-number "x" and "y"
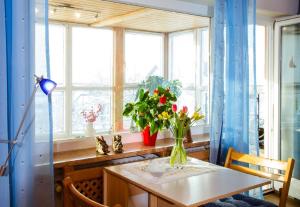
{"x": 77, "y": 15}
{"x": 52, "y": 11}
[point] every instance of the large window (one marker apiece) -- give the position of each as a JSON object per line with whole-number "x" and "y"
{"x": 189, "y": 63}
{"x": 105, "y": 66}
{"x": 81, "y": 61}
{"x": 143, "y": 58}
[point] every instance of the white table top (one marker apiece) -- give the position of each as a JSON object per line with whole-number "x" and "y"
{"x": 197, "y": 188}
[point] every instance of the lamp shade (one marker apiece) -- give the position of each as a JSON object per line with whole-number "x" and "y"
{"x": 47, "y": 85}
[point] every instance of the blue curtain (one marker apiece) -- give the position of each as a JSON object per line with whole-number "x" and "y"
{"x": 233, "y": 113}
{"x": 29, "y": 181}
{"x": 4, "y": 181}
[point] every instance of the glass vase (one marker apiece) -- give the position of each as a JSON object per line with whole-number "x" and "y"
{"x": 89, "y": 129}
{"x": 178, "y": 155}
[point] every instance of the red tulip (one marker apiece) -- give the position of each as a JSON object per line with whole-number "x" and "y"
{"x": 174, "y": 107}
{"x": 162, "y": 100}
{"x": 155, "y": 91}
{"x": 185, "y": 109}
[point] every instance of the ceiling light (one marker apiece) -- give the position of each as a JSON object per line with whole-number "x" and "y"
{"x": 52, "y": 11}
{"x": 77, "y": 15}
{"x": 36, "y": 10}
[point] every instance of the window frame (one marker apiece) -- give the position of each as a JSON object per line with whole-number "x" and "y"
{"x": 68, "y": 87}
{"x": 117, "y": 88}
{"x": 130, "y": 86}
{"x": 197, "y": 37}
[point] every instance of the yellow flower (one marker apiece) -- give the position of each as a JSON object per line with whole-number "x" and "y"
{"x": 160, "y": 116}
{"x": 197, "y": 116}
{"x": 165, "y": 115}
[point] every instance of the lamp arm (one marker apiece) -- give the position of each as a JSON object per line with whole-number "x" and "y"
{"x": 14, "y": 141}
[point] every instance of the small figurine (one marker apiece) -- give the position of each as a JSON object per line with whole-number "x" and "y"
{"x": 101, "y": 146}
{"x": 117, "y": 144}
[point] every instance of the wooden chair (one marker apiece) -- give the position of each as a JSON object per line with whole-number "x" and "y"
{"x": 84, "y": 188}
{"x": 78, "y": 199}
{"x": 264, "y": 163}
{"x": 77, "y": 196}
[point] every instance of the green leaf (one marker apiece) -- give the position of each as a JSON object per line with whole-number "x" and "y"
{"x": 153, "y": 128}
{"x": 128, "y": 109}
{"x": 142, "y": 123}
{"x": 141, "y": 94}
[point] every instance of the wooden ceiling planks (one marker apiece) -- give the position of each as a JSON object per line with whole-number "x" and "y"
{"x": 99, "y": 13}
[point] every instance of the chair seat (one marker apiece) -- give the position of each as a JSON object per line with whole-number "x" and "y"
{"x": 240, "y": 200}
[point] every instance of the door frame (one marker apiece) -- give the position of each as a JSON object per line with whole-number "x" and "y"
{"x": 275, "y": 140}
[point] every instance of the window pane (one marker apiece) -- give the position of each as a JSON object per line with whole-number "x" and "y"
{"x": 92, "y": 55}
{"x": 58, "y": 110}
{"x": 129, "y": 96}
{"x": 187, "y": 98}
{"x": 84, "y": 100}
{"x": 182, "y": 58}
{"x": 143, "y": 56}
{"x": 57, "y": 53}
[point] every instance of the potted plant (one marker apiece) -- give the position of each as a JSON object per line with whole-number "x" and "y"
{"x": 180, "y": 124}
{"x": 151, "y": 113}
{"x": 152, "y": 83}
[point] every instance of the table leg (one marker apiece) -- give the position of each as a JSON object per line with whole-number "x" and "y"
{"x": 115, "y": 190}
{"x": 153, "y": 200}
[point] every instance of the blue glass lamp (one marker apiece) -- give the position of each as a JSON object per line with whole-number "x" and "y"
{"x": 47, "y": 86}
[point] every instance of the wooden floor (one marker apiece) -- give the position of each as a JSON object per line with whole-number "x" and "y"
{"x": 274, "y": 198}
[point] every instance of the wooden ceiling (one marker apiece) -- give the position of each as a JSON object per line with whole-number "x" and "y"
{"x": 98, "y": 13}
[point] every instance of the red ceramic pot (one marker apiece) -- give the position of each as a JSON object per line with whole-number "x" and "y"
{"x": 149, "y": 140}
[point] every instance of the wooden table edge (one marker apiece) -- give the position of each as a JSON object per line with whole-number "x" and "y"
{"x": 108, "y": 171}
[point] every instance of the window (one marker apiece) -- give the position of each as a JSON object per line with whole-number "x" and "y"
{"x": 189, "y": 63}
{"x": 92, "y": 63}
{"x": 143, "y": 58}
{"x": 86, "y": 64}
{"x": 78, "y": 90}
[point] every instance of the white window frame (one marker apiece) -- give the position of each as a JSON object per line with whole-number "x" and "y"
{"x": 198, "y": 52}
{"x": 68, "y": 88}
{"x": 129, "y": 86}
{"x": 62, "y": 141}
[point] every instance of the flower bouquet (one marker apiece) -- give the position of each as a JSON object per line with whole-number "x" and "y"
{"x": 90, "y": 117}
{"x": 180, "y": 123}
{"x": 151, "y": 112}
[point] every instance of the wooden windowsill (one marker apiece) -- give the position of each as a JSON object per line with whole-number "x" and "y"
{"x": 86, "y": 156}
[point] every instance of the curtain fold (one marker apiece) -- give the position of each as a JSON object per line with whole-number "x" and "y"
{"x": 31, "y": 165}
{"x": 4, "y": 181}
{"x": 233, "y": 113}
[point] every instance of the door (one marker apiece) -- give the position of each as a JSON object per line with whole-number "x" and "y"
{"x": 286, "y": 141}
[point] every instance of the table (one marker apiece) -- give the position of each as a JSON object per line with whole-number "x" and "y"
{"x": 203, "y": 183}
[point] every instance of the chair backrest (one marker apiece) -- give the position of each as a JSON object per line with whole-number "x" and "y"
{"x": 88, "y": 182}
{"x": 268, "y": 168}
{"x": 78, "y": 199}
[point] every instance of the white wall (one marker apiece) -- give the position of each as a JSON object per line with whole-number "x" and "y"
{"x": 278, "y": 7}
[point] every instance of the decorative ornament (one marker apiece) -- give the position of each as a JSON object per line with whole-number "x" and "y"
{"x": 117, "y": 145}
{"x": 101, "y": 146}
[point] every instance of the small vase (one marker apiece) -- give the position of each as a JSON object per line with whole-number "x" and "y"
{"x": 149, "y": 140}
{"x": 178, "y": 155}
{"x": 89, "y": 130}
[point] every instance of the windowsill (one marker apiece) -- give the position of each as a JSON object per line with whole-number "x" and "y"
{"x": 88, "y": 156}
{"x": 70, "y": 144}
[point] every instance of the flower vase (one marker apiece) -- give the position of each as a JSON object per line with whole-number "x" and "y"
{"x": 178, "y": 155}
{"x": 89, "y": 130}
